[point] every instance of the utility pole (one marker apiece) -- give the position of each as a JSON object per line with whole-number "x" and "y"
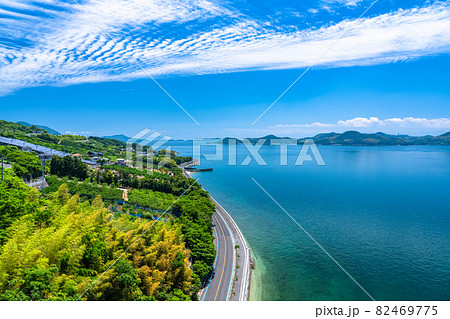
{"x": 43, "y": 176}
{"x": 44, "y": 157}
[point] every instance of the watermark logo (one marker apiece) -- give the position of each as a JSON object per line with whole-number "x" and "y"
{"x": 141, "y": 150}
{"x": 144, "y": 151}
{"x": 308, "y": 150}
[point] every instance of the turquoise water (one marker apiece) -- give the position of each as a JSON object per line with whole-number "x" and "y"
{"x": 382, "y": 212}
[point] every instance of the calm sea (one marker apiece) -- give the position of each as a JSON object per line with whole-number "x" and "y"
{"x": 382, "y": 212}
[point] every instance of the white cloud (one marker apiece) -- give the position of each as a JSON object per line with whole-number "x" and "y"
{"x": 358, "y": 122}
{"x": 81, "y": 133}
{"x": 441, "y": 123}
{"x": 348, "y": 3}
{"x": 70, "y": 48}
{"x": 406, "y": 125}
{"x": 361, "y": 122}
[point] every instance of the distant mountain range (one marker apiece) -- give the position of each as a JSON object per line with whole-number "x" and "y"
{"x": 124, "y": 138}
{"x": 48, "y": 129}
{"x": 357, "y": 138}
{"x": 350, "y": 138}
{"x": 354, "y": 138}
{"x": 120, "y": 137}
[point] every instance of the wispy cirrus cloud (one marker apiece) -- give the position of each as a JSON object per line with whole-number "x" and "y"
{"x": 51, "y": 42}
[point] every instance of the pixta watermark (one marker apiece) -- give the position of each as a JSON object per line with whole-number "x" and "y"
{"x": 151, "y": 150}
{"x": 307, "y": 152}
{"x": 143, "y": 148}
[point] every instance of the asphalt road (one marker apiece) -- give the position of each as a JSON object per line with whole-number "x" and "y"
{"x": 219, "y": 286}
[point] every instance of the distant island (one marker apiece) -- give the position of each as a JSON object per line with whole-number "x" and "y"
{"x": 355, "y": 138}
{"x": 348, "y": 138}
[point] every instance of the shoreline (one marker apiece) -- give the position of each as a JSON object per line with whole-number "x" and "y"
{"x": 257, "y": 274}
{"x": 242, "y": 269}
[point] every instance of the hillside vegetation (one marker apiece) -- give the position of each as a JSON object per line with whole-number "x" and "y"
{"x": 110, "y": 148}
{"x": 55, "y": 246}
{"x": 56, "y": 253}
{"x": 25, "y": 164}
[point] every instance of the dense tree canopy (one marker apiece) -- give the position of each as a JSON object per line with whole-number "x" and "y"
{"x": 54, "y": 246}
{"x": 25, "y": 164}
{"x": 151, "y": 199}
{"x": 68, "y": 166}
{"x": 58, "y": 257}
{"x": 127, "y": 177}
{"x": 85, "y": 189}
{"x": 16, "y": 200}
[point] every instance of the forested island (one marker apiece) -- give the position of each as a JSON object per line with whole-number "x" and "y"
{"x": 355, "y": 138}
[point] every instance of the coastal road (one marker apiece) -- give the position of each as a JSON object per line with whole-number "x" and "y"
{"x": 219, "y": 286}
{"x": 227, "y": 282}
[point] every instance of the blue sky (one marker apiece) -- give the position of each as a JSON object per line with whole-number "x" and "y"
{"x": 225, "y": 62}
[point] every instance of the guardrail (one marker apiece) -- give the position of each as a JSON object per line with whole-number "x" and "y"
{"x": 245, "y": 283}
{"x": 38, "y": 148}
{"x": 244, "y": 290}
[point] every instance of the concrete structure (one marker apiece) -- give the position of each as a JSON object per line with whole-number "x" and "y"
{"x": 96, "y": 154}
{"x": 37, "y": 148}
{"x": 121, "y": 161}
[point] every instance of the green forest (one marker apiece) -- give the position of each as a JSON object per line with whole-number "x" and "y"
{"x": 150, "y": 199}
{"x": 84, "y": 189}
{"x": 55, "y": 245}
{"x": 25, "y": 164}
